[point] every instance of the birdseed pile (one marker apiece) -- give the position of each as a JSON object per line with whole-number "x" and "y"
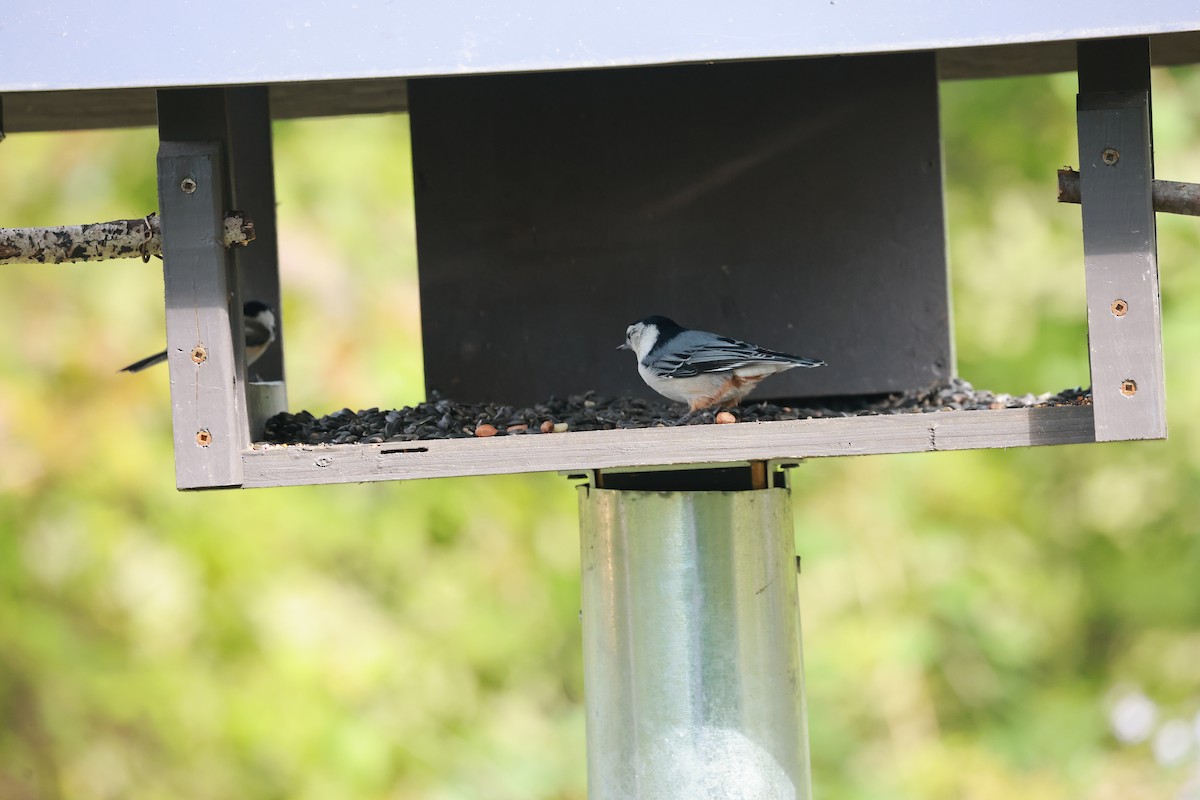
{"x": 441, "y": 418}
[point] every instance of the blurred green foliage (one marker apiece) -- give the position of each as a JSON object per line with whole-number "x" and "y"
{"x": 970, "y": 618}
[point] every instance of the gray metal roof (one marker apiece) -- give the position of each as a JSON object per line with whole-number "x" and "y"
{"x": 65, "y": 45}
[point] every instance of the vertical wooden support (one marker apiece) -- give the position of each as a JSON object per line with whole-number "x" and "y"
{"x": 1120, "y": 248}
{"x": 206, "y": 369}
{"x": 239, "y": 119}
{"x": 252, "y": 169}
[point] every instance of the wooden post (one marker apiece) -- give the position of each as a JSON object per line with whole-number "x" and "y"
{"x": 1120, "y": 248}
{"x": 238, "y": 119}
{"x": 206, "y": 369}
{"x": 253, "y": 172}
{"x": 252, "y": 169}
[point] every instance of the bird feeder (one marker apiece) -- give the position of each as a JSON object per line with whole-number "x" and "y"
{"x": 715, "y": 175}
{"x": 577, "y": 168}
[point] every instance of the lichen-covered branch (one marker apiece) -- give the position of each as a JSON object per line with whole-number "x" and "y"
{"x": 1170, "y": 197}
{"x": 123, "y": 238}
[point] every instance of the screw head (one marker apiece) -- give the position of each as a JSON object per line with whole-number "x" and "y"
{"x": 1119, "y": 307}
{"x": 1110, "y": 156}
{"x": 1129, "y": 387}
{"x": 199, "y": 354}
{"x": 187, "y": 185}
{"x": 203, "y": 438}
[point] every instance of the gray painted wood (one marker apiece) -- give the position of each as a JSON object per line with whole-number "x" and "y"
{"x": 1120, "y": 250}
{"x": 555, "y": 209}
{"x": 206, "y": 396}
{"x": 108, "y": 45}
{"x": 716, "y": 444}
{"x": 251, "y": 166}
{"x": 239, "y": 118}
{"x": 128, "y": 108}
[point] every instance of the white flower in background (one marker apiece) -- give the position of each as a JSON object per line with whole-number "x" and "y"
{"x": 1173, "y": 742}
{"x": 1132, "y": 717}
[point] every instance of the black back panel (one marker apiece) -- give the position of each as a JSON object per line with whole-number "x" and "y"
{"x": 796, "y": 204}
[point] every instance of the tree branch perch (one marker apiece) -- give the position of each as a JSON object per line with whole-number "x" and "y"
{"x": 124, "y": 238}
{"x": 1170, "y": 197}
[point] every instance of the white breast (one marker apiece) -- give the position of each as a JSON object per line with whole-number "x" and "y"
{"x": 683, "y": 390}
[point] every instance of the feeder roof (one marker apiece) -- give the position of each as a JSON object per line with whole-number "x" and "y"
{"x": 307, "y": 50}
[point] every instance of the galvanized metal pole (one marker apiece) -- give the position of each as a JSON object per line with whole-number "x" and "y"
{"x": 691, "y": 636}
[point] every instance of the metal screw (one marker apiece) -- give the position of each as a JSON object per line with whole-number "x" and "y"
{"x": 203, "y": 438}
{"x": 199, "y": 354}
{"x": 187, "y": 185}
{"x": 1129, "y": 387}
{"x": 1110, "y": 156}
{"x": 1119, "y": 307}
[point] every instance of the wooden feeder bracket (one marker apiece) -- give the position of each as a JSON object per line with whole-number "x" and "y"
{"x": 1116, "y": 171}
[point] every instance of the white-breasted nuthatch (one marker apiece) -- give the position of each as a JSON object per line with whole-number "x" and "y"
{"x": 259, "y": 329}
{"x": 699, "y": 368}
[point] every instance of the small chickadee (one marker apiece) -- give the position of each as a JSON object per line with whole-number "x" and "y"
{"x": 260, "y": 332}
{"x": 699, "y": 368}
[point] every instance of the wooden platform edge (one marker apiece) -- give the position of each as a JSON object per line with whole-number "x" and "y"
{"x": 298, "y": 465}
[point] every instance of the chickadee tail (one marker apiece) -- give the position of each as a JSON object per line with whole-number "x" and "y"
{"x": 148, "y": 361}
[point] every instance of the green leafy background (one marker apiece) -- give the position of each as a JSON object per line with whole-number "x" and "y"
{"x": 970, "y": 618}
